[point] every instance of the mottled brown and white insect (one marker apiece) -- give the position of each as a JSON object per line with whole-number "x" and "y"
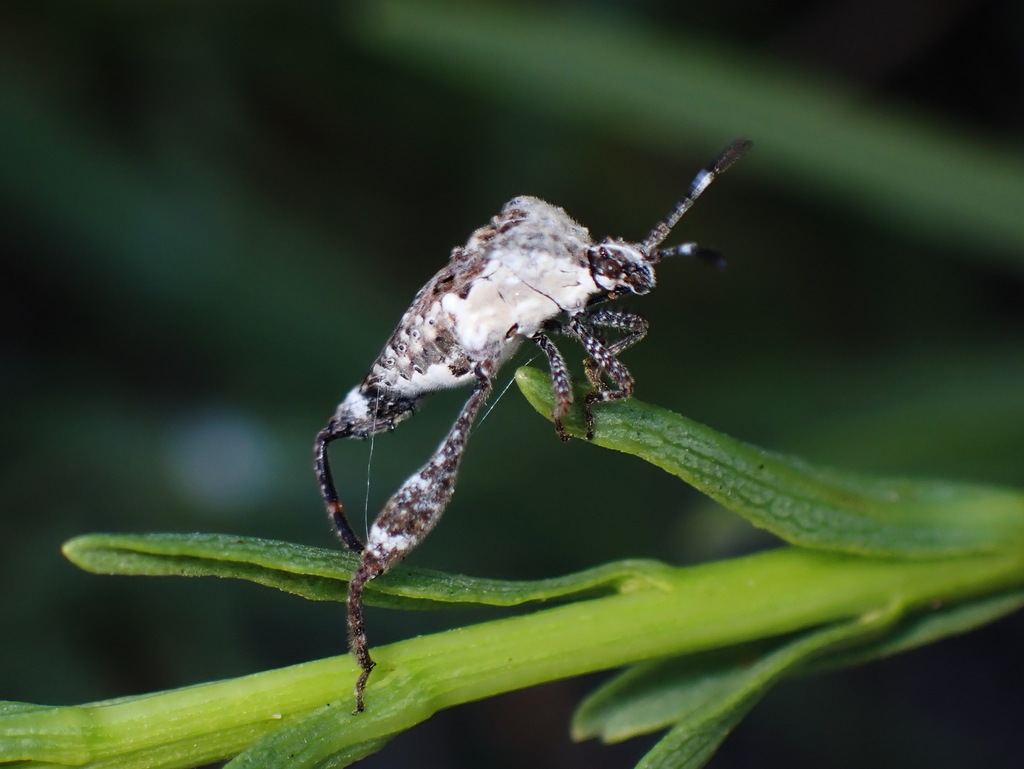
{"x": 531, "y": 272}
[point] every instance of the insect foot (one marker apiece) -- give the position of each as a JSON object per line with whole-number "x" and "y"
{"x": 532, "y": 272}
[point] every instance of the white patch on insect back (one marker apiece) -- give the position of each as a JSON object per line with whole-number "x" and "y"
{"x": 548, "y": 253}
{"x": 567, "y": 286}
{"x": 492, "y": 307}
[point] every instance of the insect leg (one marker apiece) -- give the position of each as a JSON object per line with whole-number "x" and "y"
{"x": 322, "y": 467}
{"x": 407, "y": 518}
{"x": 560, "y": 382}
{"x": 634, "y": 326}
{"x": 605, "y": 361}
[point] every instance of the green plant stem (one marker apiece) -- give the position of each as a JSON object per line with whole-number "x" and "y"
{"x": 700, "y": 607}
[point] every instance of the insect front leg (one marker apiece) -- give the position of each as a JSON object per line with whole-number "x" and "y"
{"x": 560, "y": 382}
{"x": 407, "y": 518}
{"x": 604, "y": 359}
{"x": 634, "y": 326}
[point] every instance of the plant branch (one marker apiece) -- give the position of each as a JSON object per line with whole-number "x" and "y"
{"x": 700, "y": 607}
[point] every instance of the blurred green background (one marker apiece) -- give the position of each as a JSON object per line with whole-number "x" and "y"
{"x": 214, "y": 214}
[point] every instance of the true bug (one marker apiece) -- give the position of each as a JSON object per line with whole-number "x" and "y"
{"x": 530, "y": 273}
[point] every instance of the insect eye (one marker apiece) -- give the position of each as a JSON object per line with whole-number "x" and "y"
{"x": 609, "y": 268}
{"x": 604, "y": 265}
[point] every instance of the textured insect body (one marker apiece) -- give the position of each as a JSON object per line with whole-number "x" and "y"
{"x": 533, "y": 271}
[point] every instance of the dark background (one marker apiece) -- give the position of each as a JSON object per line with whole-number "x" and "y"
{"x": 213, "y": 215}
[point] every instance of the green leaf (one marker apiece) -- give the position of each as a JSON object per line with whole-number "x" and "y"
{"x": 804, "y": 504}
{"x": 704, "y": 696}
{"x": 920, "y": 629}
{"x": 317, "y": 741}
{"x": 706, "y": 702}
{"x": 690, "y": 747}
{"x": 321, "y": 574}
{"x": 314, "y": 573}
{"x": 698, "y": 689}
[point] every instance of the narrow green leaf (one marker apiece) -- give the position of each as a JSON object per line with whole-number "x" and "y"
{"x": 655, "y": 695}
{"x": 317, "y": 741}
{"x": 700, "y": 688}
{"x": 707, "y": 694}
{"x": 804, "y": 504}
{"x": 314, "y": 573}
{"x": 321, "y": 574}
{"x": 707, "y": 708}
{"x": 917, "y": 630}
{"x": 689, "y": 746}
{"x": 704, "y": 725}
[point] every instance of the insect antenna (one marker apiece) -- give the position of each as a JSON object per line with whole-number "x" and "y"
{"x": 700, "y": 182}
{"x": 697, "y": 251}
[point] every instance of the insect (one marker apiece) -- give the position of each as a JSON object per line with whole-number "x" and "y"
{"x": 531, "y": 273}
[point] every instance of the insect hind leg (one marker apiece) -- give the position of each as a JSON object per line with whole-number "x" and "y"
{"x": 408, "y": 517}
{"x": 322, "y": 467}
